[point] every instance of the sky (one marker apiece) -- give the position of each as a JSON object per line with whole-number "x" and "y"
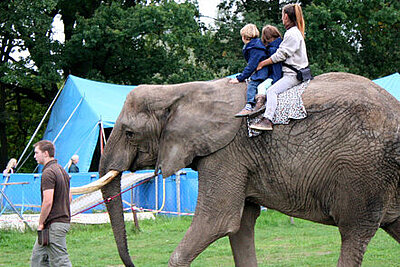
{"x": 208, "y": 8}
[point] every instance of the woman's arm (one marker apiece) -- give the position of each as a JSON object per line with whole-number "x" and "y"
{"x": 264, "y": 63}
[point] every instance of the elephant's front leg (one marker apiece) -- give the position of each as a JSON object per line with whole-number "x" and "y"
{"x": 242, "y": 242}
{"x": 218, "y": 213}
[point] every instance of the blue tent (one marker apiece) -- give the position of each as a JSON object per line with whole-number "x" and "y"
{"x": 82, "y": 108}
{"x": 391, "y": 84}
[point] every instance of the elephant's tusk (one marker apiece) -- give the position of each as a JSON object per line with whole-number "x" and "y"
{"x": 96, "y": 185}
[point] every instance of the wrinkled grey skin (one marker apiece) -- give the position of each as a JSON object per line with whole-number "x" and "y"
{"x": 339, "y": 166}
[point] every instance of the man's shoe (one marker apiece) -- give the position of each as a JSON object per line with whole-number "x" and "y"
{"x": 263, "y": 125}
{"x": 260, "y": 105}
{"x": 243, "y": 113}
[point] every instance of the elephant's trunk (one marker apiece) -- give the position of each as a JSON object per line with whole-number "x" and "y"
{"x": 115, "y": 211}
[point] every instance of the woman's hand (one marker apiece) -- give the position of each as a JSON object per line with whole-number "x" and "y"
{"x": 234, "y": 80}
{"x": 261, "y": 65}
{"x": 264, "y": 63}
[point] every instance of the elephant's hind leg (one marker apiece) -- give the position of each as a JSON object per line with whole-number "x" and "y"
{"x": 242, "y": 242}
{"x": 393, "y": 229}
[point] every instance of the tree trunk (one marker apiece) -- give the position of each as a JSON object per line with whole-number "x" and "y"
{"x": 3, "y": 125}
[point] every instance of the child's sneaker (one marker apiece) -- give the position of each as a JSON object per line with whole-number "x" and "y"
{"x": 245, "y": 111}
{"x": 260, "y": 105}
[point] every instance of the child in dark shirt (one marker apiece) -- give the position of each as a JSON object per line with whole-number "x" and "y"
{"x": 254, "y": 51}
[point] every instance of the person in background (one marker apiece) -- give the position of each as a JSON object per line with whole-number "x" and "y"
{"x": 11, "y": 165}
{"x": 254, "y": 51}
{"x": 292, "y": 51}
{"x": 55, "y": 215}
{"x": 72, "y": 167}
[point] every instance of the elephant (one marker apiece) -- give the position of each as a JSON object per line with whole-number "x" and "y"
{"x": 339, "y": 166}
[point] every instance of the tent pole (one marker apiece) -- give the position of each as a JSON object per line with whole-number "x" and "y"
{"x": 40, "y": 124}
{"x": 101, "y": 138}
{"x": 104, "y": 134}
{"x": 65, "y": 124}
{"x": 83, "y": 142}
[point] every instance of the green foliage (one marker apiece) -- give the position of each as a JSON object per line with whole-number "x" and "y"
{"x": 141, "y": 44}
{"x": 378, "y": 26}
{"x": 361, "y": 37}
{"x": 26, "y": 82}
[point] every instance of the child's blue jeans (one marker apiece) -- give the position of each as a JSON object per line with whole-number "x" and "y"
{"x": 252, "y": 91}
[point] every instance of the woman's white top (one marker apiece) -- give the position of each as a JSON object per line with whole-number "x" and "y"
{"x": 292, "y": 51}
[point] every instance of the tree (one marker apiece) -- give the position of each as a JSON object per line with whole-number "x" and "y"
{"x": 25, "y": 81}
{"x": 327, "y": 38}
{"x": 361, "y": 37}
{"x": 377, "y": 27}
{"x": 154, "y": 43}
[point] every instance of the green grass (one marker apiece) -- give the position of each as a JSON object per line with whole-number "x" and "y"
{"x": 278, "y": 243}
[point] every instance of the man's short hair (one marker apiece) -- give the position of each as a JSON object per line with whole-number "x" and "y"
{"x": 46, "y": 145}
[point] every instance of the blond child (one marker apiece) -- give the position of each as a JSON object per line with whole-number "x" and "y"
{"x": 254, "y": 51}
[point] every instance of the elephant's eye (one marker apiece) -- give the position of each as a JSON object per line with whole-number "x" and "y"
{"x": 129, "y": 134}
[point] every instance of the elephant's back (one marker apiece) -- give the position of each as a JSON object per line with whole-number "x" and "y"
{"x": 353, "y": 96}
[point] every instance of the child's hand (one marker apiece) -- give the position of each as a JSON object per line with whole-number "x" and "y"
{"x": 234, "y": 80}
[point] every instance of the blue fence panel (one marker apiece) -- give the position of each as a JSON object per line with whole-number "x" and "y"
{"x": 27, "y": 196}
{"x": 189, "y": 191}
{"x": 144, "y": 196}
{"x": 23, "y": 196}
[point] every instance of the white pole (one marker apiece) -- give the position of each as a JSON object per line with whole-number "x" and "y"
{"x": 104, "y": 135}
{"x": 83, "y": 142}
{"x": 40, "y": 124}
{"x": 65, "y": 124}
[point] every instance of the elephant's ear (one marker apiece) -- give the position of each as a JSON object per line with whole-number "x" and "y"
{"x": 200, "y": 122}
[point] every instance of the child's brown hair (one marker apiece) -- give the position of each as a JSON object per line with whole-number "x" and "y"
{"x": 269, "y": 33}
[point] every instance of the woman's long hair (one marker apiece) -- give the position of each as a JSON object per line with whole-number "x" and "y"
{"x": 295, "y": 15}
{"x": 10, "y": 165}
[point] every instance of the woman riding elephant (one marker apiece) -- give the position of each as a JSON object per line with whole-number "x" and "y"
{"x": 293, "y": 52}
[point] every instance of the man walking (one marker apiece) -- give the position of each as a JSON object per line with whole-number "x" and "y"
{"x": 55, "y": 215}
